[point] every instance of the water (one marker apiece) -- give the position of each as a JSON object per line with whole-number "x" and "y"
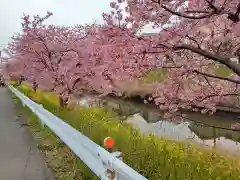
{"x": 208, "y": 130}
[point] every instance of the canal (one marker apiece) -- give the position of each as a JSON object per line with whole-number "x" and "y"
{"x": 213, "y": 131}
{"x": 209, "y": 130}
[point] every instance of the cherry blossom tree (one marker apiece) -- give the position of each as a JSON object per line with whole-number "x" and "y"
{"x": 112, "y": 54}
{"x": 197, "y": 48}
{"x": 47, "y": 51}
{"x": 13, "y": 70}
{"x": 196, "y": 39}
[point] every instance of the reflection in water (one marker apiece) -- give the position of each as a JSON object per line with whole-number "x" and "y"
{"x": 161, "y": 128}
{"x": 213, "y": 131}
{"x": 223, "y": 143}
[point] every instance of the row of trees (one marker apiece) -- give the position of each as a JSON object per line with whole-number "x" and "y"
{"x": 197, "y": 49}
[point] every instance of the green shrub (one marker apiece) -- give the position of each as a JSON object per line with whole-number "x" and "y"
{"x": 155, "y": 158}
{"x": 13, "y": 83}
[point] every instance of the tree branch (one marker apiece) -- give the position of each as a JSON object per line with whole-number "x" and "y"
{"x": 218, "y": 58}
{"x": 42, "y": 60}
{"x": 205, "y": 77}
{"x": 197, "y": 11}
{"x": 238, "y": 10}
{"x": 216, "y": 77}
{"x": 187, "y": 16}
{"x": 191, "y": 38}
{"x": 199, "y": 99}
{"x": 204, "y": 14}
{"x": 65, "y": 51}
{"x": 235, "y": 16}
{"x": 210, "y": 3}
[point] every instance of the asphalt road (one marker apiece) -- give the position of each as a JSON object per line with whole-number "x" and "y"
{"x": 20, "y": 158}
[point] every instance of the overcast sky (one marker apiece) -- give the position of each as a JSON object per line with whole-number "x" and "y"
{"x": 65, "y": 12}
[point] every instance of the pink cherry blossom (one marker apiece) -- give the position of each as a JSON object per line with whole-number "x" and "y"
{"x": 189, "y": 51}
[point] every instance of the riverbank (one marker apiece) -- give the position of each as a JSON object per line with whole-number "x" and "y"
{"x": 155, "y": 158}
{"x": 214, "y": 131}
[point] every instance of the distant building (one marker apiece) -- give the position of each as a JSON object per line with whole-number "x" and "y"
{"x": 4, "y": 56}
{"x": 148, "y": 34}
{"x": 3, "y": 62}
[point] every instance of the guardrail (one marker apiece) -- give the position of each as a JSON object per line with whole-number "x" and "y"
{"x": 105, "y": 165}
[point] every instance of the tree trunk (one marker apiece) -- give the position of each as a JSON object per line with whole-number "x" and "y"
{"x": 62, "y": 101}
{"x": 35, "y": 86}
{"x": 21, "y": 80}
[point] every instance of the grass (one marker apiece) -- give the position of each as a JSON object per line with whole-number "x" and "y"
{"x": 60, "y": 159}
{"x": 222, "y": 71}
{"x": 156, "y": 75}
{"x": 159, "y": 75}
{"x": 155, "y": 158}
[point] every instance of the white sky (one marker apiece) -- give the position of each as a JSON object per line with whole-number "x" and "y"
{"x": 65, "y": 12}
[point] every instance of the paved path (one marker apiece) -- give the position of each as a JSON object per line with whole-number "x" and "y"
{"x": 19, "y": 157}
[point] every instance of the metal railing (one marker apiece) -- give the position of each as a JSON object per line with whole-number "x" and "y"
{"x": 105, "y": 165}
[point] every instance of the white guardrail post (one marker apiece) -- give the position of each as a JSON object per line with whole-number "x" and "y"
{"x": 107, "y": 166}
